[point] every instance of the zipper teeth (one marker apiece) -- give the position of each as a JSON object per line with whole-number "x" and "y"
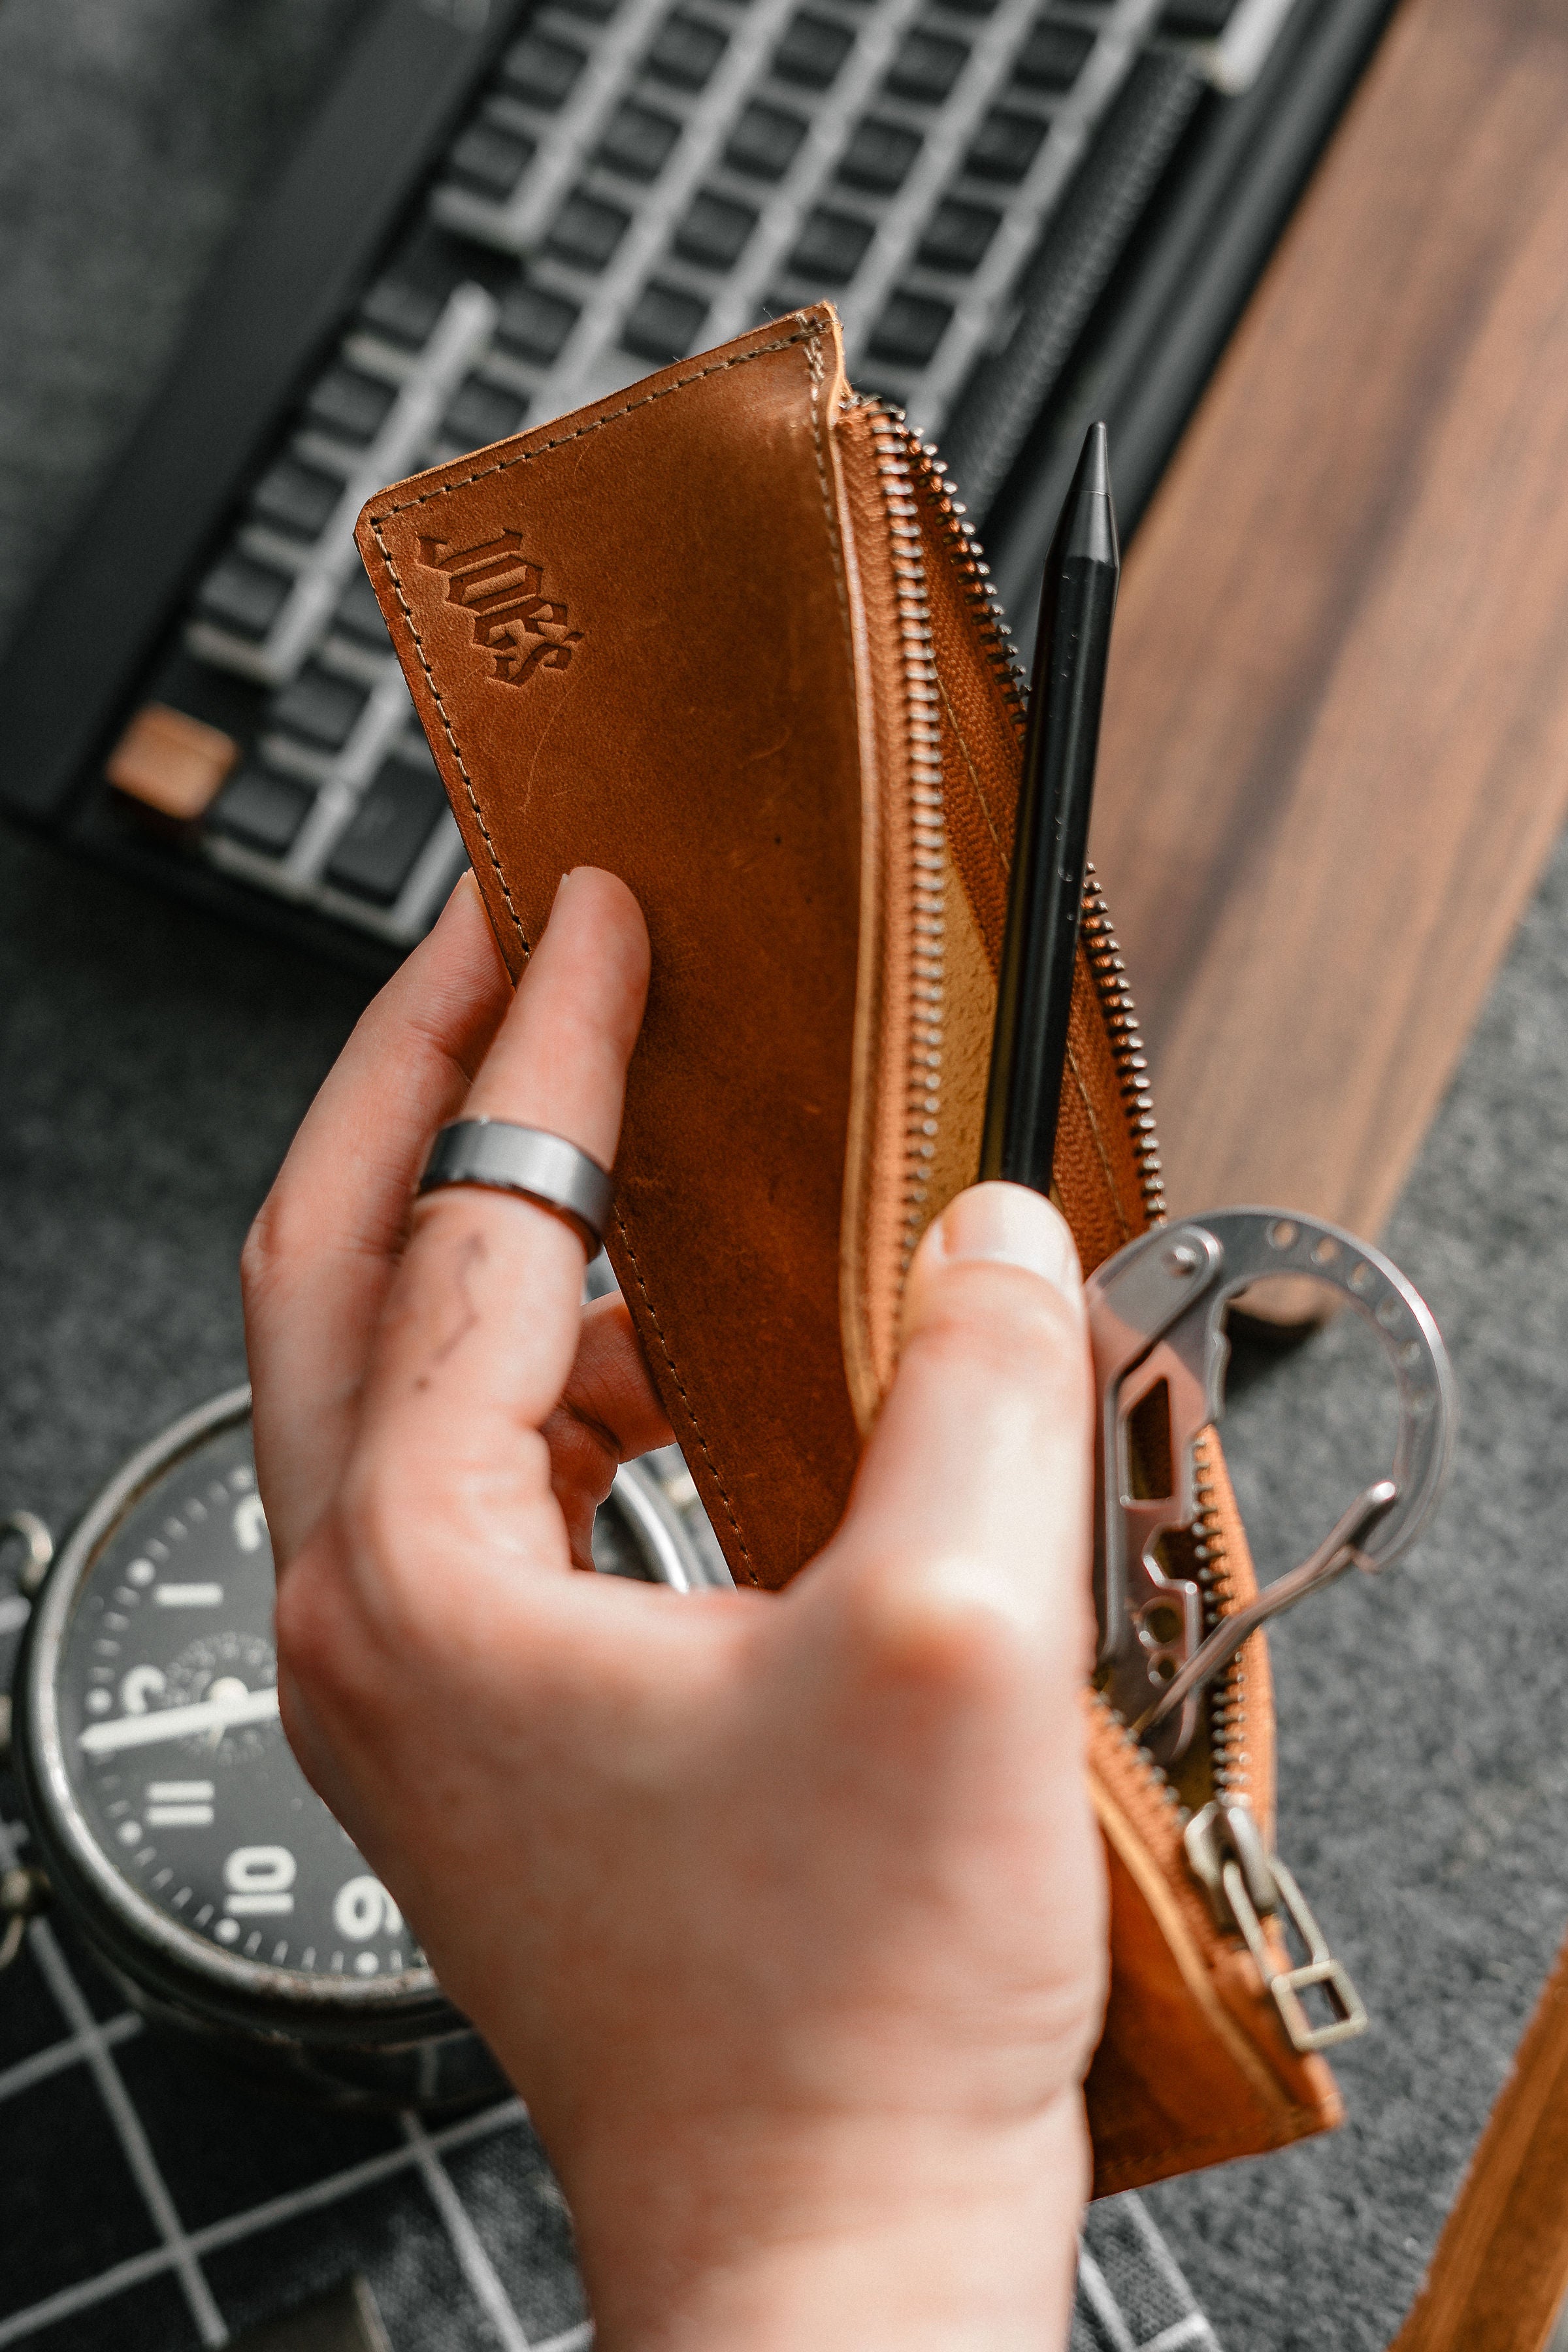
{"x": 1153, "y": 1774}
{"x": 1100, "y": 939}
{"x": 926, "y": 825}
{"x": 1226, "y": 1711}
{"x": 1126, "y": 1044}
{"x": 969, "y": 561}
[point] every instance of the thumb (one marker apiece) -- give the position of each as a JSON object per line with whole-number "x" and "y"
{"x": 978, "y": 1479}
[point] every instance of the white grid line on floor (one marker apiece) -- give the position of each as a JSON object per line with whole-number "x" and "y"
{"x": 234, "y": 2227}
{"x": 69, "y": 2052}
{"x": 1096, "y": 2292}
{"x": 73, "y": 2006}
{"x": 1194, "y": 2329}
{"x": 570, "y": 2339}
{"x": 1158, "y": 2253}
{"x": 475, "y": 2263}
{"x": 133, "y": 2139}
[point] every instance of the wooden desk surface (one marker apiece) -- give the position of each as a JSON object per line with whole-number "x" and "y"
{"x": 1336, "y": 743}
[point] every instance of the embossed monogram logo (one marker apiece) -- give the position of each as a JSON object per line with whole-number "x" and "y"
{"x": 504, "y": 594}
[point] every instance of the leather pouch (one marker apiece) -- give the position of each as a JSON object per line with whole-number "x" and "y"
{"x": 728, "y": 633}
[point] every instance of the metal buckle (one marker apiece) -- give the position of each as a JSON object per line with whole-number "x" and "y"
{"x": 1246, "y": 1885}
{"x": 1156, "y": 1314}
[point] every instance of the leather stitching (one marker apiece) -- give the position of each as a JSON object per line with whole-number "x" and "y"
{"x": 452, "y": 737}
{"x": 686, "y": 1400}
{"x": 812, "y": 337}
{"x": 613, "y": 417}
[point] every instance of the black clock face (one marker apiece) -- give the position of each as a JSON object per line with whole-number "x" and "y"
{"x": 166, "y": 1691}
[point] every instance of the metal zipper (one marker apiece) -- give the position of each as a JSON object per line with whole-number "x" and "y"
{"x": 925, "y": 820}
{"x": 900, "y": 456}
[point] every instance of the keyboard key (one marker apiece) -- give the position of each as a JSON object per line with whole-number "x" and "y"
{"x": 534, "y": 322}
{"x": 664, "y": 324}
{"x": 296, "y": 497}
{"x": 482, "y": 412}
{"x": 351, "y": 406}
{"x": 831, "y": 248}
{"x": 811, "y": 50}
{"x": 686, "y": 51}
{"x": 322, "y": 707}
{"x": 958, "y": 236}
{"x": 401, "y": 312}
{"x": 540, "y": 71}
{"x": 262, "y": 809}
{"x": 376, "y": 853}
{"x": 715, "y": 230}
{"x": 973, "y": 7}
{"x": 359, "y": 615}
{"x": 1054, "y": 56}
{"x": 927, "y": 67}
{"x": 587, "y": 231}
{"x": 639, "y": 141}
{"x": 764, "y": 141}
{"x": 244, "y": 597}
{"x": 1007, "y": 145}
{"x": 1197, "y": 20}
{"x": 879, "y": 156}
{"x": 909, "y": 329}
{"x": 490, "y": 160}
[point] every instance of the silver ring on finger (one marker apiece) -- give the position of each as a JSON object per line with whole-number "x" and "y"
{"x": 530, "y": 1161}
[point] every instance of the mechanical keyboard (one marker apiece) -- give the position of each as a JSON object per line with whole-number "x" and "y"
{"x": 1026, "y": 211}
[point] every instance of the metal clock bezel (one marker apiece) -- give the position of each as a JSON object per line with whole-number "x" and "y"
{"x": 147, "y": 1943}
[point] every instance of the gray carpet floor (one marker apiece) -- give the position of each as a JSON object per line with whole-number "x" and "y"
{"x": 152, "y": 1065}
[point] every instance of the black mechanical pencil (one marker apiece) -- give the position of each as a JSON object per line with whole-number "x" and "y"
{"x": 1077, "y": 601}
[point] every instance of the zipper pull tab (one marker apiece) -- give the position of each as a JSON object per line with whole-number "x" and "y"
{"x": 1247, "y": 1884}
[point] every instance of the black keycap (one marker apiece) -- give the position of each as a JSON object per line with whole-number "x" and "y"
{"x": 490, "y": 160}
{"x": 296, "y": 497}
{"x": 482, "y": 412}
{"x": 586, "y": 231}
{"x": 971, "y": 8}
{"x": 958, "y": 236}
{"x": 540, "y": 70}
{"x": 402, "y": 312}
{"x": 764, "y": 140}
{"x": 879, "y": 156}
{"x": 1197, "y": 20}
{"x": 715, "y": 230}
{"x": 909, "y": 329}
{"x": 639, "y": 141}
{"x": 375, "y": 854}
{"x": 831, "y": 248}
{"x": 350, "y": 405}
{"x": 811, "y": 50}
{"x": 664, "y": 323}
{"x": 597, "y": 11}
{"x": 1007, "y": 144}
{"x": 319, "y": 706}
{"x": 262, "y": 809}
{"x": 686, "y": 51}
{"x": 1053, "y": 57}
{"x": 927, "y": 67}
{"x": 359, "y": 614}
{"x": 241, "y": 595}
{"x": 534, "y": 322}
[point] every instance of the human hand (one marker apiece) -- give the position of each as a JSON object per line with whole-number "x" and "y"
{"x": 784, "y": 1912}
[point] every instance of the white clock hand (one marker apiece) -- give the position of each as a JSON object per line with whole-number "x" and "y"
{"x": 179, "y": 1722}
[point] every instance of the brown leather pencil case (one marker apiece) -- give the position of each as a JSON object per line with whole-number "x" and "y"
{"x": 726, "y": 632}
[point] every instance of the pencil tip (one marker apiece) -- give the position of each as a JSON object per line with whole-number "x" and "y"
{"x": 1089, "y": 516}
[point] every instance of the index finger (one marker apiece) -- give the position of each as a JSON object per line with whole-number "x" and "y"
{"x": 482, "y": 1321}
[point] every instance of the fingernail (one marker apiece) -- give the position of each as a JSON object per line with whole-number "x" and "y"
{"x": 1011, "y": 1226}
